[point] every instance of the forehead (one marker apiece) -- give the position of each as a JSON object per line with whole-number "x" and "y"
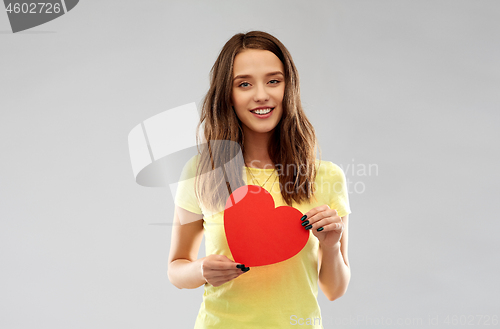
{"x": 256, "y": 61}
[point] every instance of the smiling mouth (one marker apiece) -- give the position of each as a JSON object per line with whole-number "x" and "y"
{"x": 263, "y": 111}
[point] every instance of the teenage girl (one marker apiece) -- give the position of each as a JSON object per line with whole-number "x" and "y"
{"x": 254, "y": 103}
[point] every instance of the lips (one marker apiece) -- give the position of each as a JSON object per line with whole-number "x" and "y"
{"x": 261, "y": 108}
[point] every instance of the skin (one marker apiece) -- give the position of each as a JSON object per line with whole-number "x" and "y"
{"x": 184, "y": 269}
{"x": 334, "y": 273}
{"x": 256, "y": 83}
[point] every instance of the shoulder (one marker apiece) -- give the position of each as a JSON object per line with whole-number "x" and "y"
{"x": 193, "y": 161}
{"x": 190, "y": 166}
{"x": 328, "y": 168}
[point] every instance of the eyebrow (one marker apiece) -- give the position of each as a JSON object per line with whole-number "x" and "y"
{"x": 246, "y": 76}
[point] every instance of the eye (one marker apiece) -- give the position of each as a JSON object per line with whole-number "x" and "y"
{"x": 244, "y": 84}
{"x": 274, "y": 82}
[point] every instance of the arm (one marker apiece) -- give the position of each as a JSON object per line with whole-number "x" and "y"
{"x": 183, "y": 265}
{"x": 335, "y": 273}
{"x": 184, "y": 270}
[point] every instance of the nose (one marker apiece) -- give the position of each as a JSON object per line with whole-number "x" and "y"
{"x": 261, "y": 94}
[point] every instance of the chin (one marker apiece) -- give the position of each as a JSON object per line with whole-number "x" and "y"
{"x": 264, "y": 130}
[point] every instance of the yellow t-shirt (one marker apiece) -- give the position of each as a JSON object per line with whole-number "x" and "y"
{"x": 281, "y": 295}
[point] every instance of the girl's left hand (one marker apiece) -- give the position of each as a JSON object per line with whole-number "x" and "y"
{"x": 328, "y": 222}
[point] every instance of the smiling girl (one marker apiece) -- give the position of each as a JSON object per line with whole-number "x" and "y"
{"x": 254, "y": 104}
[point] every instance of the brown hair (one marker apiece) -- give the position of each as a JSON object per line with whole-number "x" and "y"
{"x": 293, "y": 142}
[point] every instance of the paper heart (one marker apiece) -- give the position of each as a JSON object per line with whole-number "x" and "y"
{"x": 259, "y": 234}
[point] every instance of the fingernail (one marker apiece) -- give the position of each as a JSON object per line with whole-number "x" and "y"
{"x": 240, "y": 266}
{"x": 245, "y": 269}
{"x": 308, "y": 227}
{"x": 303, "y": 217}
{"x": 319, "y": 229}
{"x": 305, "y": 223}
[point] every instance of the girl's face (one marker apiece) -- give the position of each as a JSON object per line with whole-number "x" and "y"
{"x": 258, "y": 85}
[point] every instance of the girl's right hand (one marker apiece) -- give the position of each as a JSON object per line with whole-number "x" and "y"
{"x": 218, "y": 269}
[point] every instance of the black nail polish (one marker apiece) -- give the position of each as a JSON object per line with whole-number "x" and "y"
{"x": 308, "y": 227}
{"x": 245, "y": 269}
{"x": 303, "y": 217}
{"x": 240, "y": 266}
{"x": 305, "y": 223}
{"x": 319, "y": 229}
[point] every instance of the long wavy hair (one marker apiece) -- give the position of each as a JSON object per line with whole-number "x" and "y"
{"x": 293, "y": 142}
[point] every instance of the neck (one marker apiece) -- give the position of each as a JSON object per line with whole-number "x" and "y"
{"x": 256, "y": 154}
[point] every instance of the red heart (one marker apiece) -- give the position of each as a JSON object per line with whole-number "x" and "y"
{"x": 258, "y": 233}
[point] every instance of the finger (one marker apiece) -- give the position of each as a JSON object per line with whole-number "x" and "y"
{"x": 223, "y": 265}
{"x": 324, "y": 212}
{"x": 311, "y": 220}
{"x": 319, "y": 218}
{"x": 320, "y": 222}
{"x": 313, "y": 212}
{"x": 220, "y": 279}
{"x": 216, "y": 272}
{"x": 220, "y": 272}
{"x": 339, "y": 227}
{"x": 213, "y": 280}
{"x": 211, "y": 274}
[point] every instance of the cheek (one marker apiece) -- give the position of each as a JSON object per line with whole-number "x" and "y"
{"x": 241, "y": 99}
{"x": 235, "y": 98}
{"x": 280, "y": 93}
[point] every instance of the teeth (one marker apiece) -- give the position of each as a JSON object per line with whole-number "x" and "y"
{"x": 262, "y": 111}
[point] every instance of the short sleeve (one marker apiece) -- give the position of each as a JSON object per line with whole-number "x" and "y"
{"x": 185, "y": 196}
{"x": 339, "y": 199}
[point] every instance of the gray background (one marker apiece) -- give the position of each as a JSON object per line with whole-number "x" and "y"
{"x": 408, "y": 86}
